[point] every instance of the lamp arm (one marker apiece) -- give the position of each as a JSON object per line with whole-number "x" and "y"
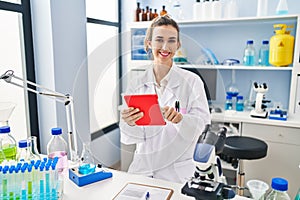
{"x": 9, "y": 76}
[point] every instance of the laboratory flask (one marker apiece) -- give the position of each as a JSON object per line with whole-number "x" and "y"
{"x": 8, "y": 144}
{"x": 32, "y": 143}
{"x": 87, "y": 163}
{"x": 279, "y": 190}
{"x": 57, "y": 147}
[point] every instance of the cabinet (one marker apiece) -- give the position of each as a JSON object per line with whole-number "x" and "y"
{"x": 227, "y": 38}
{"x": 282, "y": 159}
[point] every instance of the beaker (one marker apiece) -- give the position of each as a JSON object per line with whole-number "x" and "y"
{"x": 87, "y": 164}
{"x": 32, "y": 143}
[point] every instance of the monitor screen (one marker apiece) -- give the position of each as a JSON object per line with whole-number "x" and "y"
{"x": 209, "y": 78}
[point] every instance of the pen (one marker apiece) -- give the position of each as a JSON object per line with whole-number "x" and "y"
{"x": 177, "y": 106}
{"x": 147, "y": 196}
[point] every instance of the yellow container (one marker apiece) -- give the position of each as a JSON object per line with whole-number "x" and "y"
{"x": 281, "y": 46}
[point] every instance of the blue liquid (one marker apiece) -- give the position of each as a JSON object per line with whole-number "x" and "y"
{"x": 239, "y": 107}
{"x": 47, "y": 185}
{"x": 54, "y": 194}
{"x": 264, "y": 58}
{"x": 42, "y": 190}
{"x": 87, "y": 168}
{"x": 282, "y": 12}
{"x": 228, "y": 106}
{"x": 249, "y": 60}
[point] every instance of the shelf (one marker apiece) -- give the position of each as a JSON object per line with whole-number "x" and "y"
{"x": 142, "y": 64}
{"x": 264, "y": 19}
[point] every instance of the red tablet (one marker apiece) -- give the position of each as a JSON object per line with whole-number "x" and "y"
{"x": 148, "y": 104}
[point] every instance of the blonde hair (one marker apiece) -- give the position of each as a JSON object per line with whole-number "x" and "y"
{"x": 164, "y": 20}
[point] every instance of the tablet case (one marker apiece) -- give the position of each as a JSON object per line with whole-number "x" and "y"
{"x": 148, "y": 104}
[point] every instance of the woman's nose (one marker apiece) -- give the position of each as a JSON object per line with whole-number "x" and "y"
{"x": 165, "y": 46}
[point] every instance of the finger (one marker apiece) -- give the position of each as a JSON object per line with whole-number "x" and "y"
{"x": 170, "y": 113}
{"x": 177, "y": 118}
{"x": 126, "y": 111}
{"x": 133, "y": 118}
{"x": 130, "y": 113}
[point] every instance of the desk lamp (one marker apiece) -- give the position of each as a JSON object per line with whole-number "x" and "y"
{"x": 9, "y": 77}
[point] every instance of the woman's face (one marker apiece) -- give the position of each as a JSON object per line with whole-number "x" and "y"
{"x": 164, "y": 44}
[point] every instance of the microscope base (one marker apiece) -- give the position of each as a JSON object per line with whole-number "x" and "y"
{"x": 263, "y": 114}
{"x": 203, "y": 190}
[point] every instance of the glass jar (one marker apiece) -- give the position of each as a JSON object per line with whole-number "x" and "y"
{"x": 8, "y": 144}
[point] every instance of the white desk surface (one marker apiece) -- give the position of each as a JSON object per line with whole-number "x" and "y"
{"x": 293, "y": 120}
{"x": 107, "y": 189}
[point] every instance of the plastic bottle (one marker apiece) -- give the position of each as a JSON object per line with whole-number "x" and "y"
{"x": 216, "y": 9}
{"x": 239, "y": 103}
{"x": 57, "y": 147}
{"x": 23, "y": 154}
{"x": 137, "y": 12}
{"x": 231, "y": 9}
{"x": 9, "y": 147}
{"x": 177, "y": 10}
{"x": 197, "y": 10}
{"x": 163, "y": 11}
{"x": 262, "y": 8}
{"x": 279, "y": 190}
{"x": 249, "y": 54}
{"x": 228, "y": 103}
{"x": 206, "y": 10}
{"x": 263, "y": 58}
{"x": 282, "y": 8}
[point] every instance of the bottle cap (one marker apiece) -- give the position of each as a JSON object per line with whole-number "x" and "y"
{"x": 265, "y": 42}
{"x": 228, "y": 97}
{"x": 56, "y": 131}
{"x": 279, "y": 184}
{"x": 23, "y": 143}
{"x": 240, "y": 97}
{"x": 250, "y": 42}
{"x": 4, "y": 129}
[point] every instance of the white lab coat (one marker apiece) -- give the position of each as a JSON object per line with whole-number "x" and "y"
{"x": 166, "y": 151}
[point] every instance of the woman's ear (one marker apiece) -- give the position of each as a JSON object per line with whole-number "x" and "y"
{"x": 179, "y": 45}
{"x": 149, "y": 44}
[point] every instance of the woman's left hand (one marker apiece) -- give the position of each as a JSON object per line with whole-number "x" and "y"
{"x": 171, "y": 114}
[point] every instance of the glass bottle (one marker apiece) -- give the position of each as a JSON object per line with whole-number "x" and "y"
{"x": 34, "y": 153}
{"x": 87, "y": 164}
{"x": 137, "y": 12}
{"x": 228, "y": 102}
{"x": 143, "y": 15}
{"x": 155, "y": 14}
{"x": 163, "y": 11}
{"x": 57, "y": 147}
{"x": 23, "y": 154}
{"x": 263, "y": 58}
{"x": 9, "y": 147}
{"x": 147, "y": 13}
{"x": 249, "y": 54}
{"x": 279, "y": 190}
{"x": 239, "y": 103}
{"x": 282, "y": 8}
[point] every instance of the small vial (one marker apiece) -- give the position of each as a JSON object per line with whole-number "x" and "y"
{"x": 239, "y": 103}
{"x": 249, "y": 54}
{"x": 228, "y": 103}
{"x": 263, "y": 59}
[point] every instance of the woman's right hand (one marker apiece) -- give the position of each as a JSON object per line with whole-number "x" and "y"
{"x": 131, "y": 115}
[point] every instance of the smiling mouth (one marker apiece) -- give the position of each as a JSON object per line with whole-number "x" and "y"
{"x": 164, "y": 54}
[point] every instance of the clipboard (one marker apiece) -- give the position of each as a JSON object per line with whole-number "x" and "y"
{"x": 148, "y": 104}
{"x": 137, "y": 191}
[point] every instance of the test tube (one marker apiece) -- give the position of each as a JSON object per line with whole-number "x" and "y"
{"x": 23, "y": 181}
{"x": 0, "y": 182}
{"x": 11, "y": 182}
{"x": 42, "y": 181}
{"x": 18, "y": 181}
{"x": 54, "y": 179}
{"x": 29, "y": 181}
{"x": 36, "y": 179}
{"x": 4, "y": 181}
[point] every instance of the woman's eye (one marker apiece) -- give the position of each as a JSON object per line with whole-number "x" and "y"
{"x": 172, "y": 41}
{"x": 159, "y": 40}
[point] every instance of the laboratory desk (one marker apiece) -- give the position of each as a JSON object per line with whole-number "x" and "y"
{"x": 107, "y": 189}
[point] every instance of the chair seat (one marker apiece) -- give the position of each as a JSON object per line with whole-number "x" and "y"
{"x": 243, "y": 147}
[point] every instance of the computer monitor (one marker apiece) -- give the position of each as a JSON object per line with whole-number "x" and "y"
{"x": 209, "y": 79}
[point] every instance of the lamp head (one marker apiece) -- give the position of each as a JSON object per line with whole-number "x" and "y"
{"x": 7, "y": 76}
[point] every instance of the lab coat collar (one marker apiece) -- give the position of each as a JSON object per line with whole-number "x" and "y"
{"x": 170, "y": 90}
{"x": 173, "y": 75}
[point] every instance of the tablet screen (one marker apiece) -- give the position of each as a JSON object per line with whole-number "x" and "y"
{"x": 148, "y": 104}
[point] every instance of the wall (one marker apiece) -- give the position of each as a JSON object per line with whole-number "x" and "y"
{"x": 59, "y": 31}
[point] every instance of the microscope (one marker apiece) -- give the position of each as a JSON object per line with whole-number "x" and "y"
{"x": 208, "y": 182}
{"x": 260, "y": 107}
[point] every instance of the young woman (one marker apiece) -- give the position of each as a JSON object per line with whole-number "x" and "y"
{"x": 166, "y": 152}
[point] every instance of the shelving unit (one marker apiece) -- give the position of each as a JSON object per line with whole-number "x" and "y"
{"x": 227, "y": 39}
